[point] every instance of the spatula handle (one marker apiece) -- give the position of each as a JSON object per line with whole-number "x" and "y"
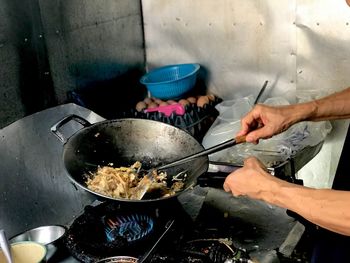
{"x": 214, "y": 149}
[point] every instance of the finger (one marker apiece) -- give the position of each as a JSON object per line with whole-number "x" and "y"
{"x": 252, "y": 138}
{"x": 261, "y": 165}
{"x": 228, "y": 190}
{"x": 250, "y": 160}
{"x": 255, "y": 163}
{"x": 241, "y": 133}
{"x": 226, "y": 187}
{"x": 258, "y": 134}
{"x": 247, "y": 123}
{"x": 244, "y": 130}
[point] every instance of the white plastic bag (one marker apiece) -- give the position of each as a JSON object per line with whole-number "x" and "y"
{"x": 270, "y": 151}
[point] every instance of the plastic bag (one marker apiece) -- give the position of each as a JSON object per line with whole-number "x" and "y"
{"x": 270, "y": 151}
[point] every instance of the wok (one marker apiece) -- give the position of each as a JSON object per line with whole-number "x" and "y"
{"x": 122, "y": 142}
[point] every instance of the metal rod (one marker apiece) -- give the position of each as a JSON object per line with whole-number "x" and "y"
{"x": 261, "y": 92}
{"x": 167, "y": 228}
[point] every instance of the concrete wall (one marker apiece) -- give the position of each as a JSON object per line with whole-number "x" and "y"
{"x": 48, "y": 48}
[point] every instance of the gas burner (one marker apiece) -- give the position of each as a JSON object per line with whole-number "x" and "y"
{"x": 114, "y": 229}
{"x": 110, "y": 230}
{"x": 130, "y": 226}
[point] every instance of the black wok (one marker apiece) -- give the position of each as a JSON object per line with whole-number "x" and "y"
{"x": 122, "y": 142}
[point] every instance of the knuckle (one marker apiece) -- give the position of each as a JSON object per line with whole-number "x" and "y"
{"x": 249, "y": 160}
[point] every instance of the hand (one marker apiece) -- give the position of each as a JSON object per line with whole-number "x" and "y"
{"x": 264, "y": 121}
{"x": 252, "y": 180}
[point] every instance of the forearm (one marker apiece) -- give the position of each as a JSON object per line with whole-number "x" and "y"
{"x": 329, "y": 209}
{"x": 335, "y": 106}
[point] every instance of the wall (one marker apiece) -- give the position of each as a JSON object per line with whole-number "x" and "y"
{"x": 301, "y": 47}
{"x": 49, "y": 48}
{"x": 296, "y": 45}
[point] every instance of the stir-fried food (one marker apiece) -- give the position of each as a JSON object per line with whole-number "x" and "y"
{"x": 121, "y": 182}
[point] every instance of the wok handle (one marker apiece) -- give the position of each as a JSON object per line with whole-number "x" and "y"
{"x": 55, "y": 129}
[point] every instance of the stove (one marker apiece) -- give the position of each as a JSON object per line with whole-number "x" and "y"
{"x": 202, "y": 225}
{"x": 162, "y": 232}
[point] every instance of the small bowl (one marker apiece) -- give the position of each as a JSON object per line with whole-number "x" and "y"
{"x": 44, "y": 235}
{"x": 172, "y": 81}
{"x": 118, "y": 259}
{"x": 26, "y": 252}
{"x": 48, "y": 236}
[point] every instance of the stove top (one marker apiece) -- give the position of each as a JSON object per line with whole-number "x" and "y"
{"x": 203, "y": 225}
{"x": 157, "y": 233}
{"x": 121, "y": 229}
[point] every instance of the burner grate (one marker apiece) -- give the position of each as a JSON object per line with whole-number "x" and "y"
{"x": 132, "y": 227}
{"x": 112, "y": 229}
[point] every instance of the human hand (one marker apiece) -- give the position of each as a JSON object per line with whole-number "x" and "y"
{"x": 252, "y": 180}
{"x": 264, "y": 121}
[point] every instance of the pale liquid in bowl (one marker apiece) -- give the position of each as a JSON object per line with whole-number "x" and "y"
{"x": 25, "y": 252}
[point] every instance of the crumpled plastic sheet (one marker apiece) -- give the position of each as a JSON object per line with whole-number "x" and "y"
{"x": 271, "y": 151}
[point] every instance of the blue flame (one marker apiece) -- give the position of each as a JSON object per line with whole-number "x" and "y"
{"x": 132, "y": 227}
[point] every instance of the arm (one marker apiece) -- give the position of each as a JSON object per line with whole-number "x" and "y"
{"x": 335, "y": 106}
{"x": 329, "y": 209}
{"x": 265, "y": 121}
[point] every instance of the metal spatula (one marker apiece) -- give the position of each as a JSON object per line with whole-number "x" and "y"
{"x": 149, "y": 178}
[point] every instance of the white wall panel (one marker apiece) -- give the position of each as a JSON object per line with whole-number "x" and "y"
{"x": 300, "y": 46}
{"x": 323, "y": 50}
{"x": 323, "y": 56}
{"x": 239, "y": 43}
{"x": 296, "y": 44}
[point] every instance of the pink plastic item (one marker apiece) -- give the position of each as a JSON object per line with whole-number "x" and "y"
{"x": 168, "y": 109}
